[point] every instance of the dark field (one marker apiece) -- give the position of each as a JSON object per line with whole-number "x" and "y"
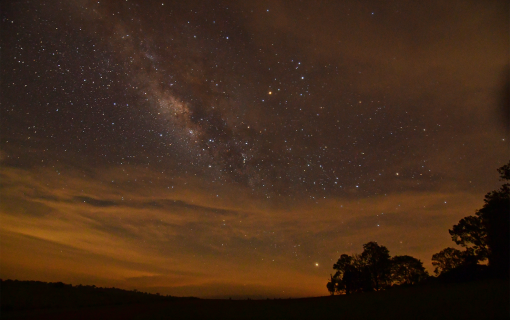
{"x": 488, "y": 299}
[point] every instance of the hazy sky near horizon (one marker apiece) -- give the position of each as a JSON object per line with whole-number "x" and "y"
{"x": 237, "y": 148}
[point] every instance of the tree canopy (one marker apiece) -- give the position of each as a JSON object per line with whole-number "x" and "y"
{"x": 470, "y": 233}
{"x": 377, "y": 261}
{"x": 448, "y": 259}
{"x": 485, "y": 236}
{"x": 407, "y": 270}
{"x": 374, "y": 269}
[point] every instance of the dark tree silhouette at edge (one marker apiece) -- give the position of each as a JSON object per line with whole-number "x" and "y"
{"x": 484, "y": 235}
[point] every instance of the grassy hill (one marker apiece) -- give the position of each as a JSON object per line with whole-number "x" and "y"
{"x": 486, "y": 299}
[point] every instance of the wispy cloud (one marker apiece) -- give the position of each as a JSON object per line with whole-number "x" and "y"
{"x": 181, "y": 240}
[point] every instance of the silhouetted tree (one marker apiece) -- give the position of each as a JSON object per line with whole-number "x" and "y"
{"x": 495, "y": 215}
{"x": 448, "y": 259}
{"x": 343, "y": 283}
{"x": 357, "y": 276}
{"x": 470, "y": 233}
{"x": 407, "y": 270}
{"x": 362, "y": 272}
{"x": 352, "y": 275}
{"x": 343, "y": 263}
{"x": 485, "y": 235}
{"x": 331, "y": 285}
{"x": 377, "y": 261}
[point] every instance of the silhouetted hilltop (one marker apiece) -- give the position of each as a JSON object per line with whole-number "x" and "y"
{"x": 481, "y": 299}
{"x": 26, "y": 295}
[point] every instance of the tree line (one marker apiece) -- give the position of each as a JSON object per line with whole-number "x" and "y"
{"x": 484, "y": 237}
{"x": 374, "y": 269}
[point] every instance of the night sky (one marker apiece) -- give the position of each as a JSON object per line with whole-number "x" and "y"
{"x": 237, "y": 148}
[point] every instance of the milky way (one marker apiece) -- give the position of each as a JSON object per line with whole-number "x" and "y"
{"x": 234, "y": 134}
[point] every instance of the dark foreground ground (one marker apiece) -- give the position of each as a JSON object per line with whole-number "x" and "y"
{"x": 488, "y": 299}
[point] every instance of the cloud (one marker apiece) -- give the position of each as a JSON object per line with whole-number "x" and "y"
{"x": 24, "y": 207}
{"x": 3, "y": 155}
{"x": 95, "y": 202}
{"x": 190, "y": 239}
